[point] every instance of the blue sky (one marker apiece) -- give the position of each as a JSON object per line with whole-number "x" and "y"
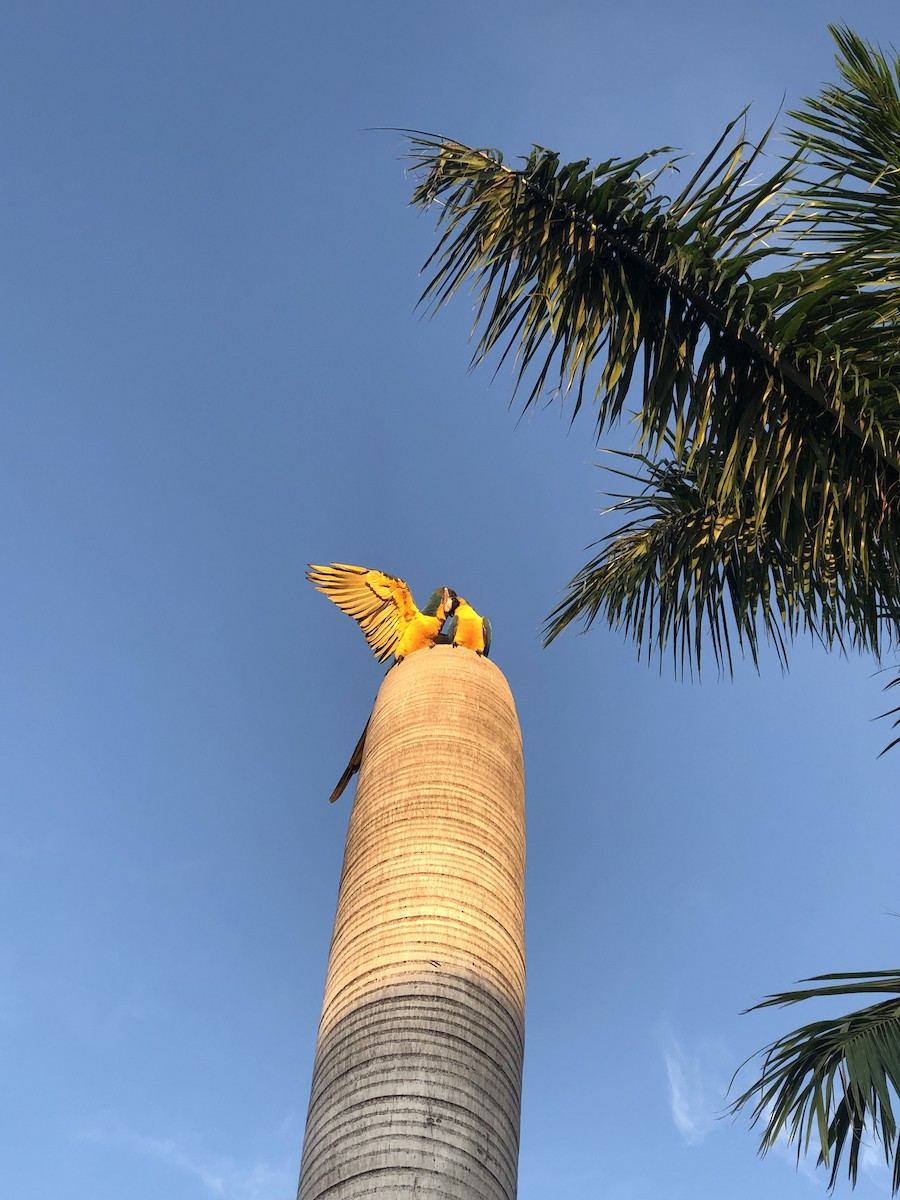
{"x": 212, "y": 372}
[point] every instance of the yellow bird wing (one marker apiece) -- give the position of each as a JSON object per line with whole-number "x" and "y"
{"x": 382, "y": 605}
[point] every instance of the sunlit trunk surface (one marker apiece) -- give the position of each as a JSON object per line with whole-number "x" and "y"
{"x": 417, "y": 1078}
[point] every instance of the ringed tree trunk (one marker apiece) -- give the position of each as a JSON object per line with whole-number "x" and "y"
{"x": 417, "y": 1078}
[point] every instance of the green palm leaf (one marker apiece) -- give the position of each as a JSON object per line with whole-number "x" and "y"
{"x": 757, "y": 314}
{"x": 685, "y": 571}
{"x": 831, "y": 1082}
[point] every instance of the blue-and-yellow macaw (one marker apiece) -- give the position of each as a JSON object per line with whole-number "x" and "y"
{"x": 468, "y": 629}
{"x": 385, "y": 611}
{"x": 383, "y": 607}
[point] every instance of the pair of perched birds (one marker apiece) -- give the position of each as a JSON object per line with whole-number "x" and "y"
{"x": 383, "y": 607}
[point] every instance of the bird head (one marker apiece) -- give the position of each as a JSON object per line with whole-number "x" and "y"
{"x": 441, "y": 603}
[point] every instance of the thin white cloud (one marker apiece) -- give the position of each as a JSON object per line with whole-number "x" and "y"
{"x": 875, "y": 1167}
{"x": 221, "y": 1176}
{"x": 167, "y": 1150}
{"x": 697, "y": 1085}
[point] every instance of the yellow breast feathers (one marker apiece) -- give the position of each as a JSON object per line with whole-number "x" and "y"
{"x": 468, "y": 628}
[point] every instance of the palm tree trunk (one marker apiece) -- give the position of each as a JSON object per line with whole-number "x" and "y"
{"x": 417, "y": 1078}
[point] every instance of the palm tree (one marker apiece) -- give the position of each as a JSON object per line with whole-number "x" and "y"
{"x": 756, "y": 310}
{"x": 417, "y": 1077}
{"x": 759, "y": 318}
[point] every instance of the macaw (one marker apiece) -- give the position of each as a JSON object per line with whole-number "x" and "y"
{"x": 468, "y": 629}
{"x": 383, "y": 607}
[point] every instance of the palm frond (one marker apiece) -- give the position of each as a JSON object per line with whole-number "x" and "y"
{"x": 891, "y": 712}
{"x": 831, "y": 1082}
{"x": 581, "y": 270}
{"x": 850, "y": 203}
{"x": 850, "y": 134}
{"x": 684, "y": 572}
{"x": 767, "y": 355}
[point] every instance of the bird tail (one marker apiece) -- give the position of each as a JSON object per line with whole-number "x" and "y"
{"x": 352, "y": 766}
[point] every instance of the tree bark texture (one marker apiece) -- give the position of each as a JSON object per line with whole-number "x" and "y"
{"x": 417, "y": 1078}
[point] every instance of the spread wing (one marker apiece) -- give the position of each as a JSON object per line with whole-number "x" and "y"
{"x": 381, "y": 605}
